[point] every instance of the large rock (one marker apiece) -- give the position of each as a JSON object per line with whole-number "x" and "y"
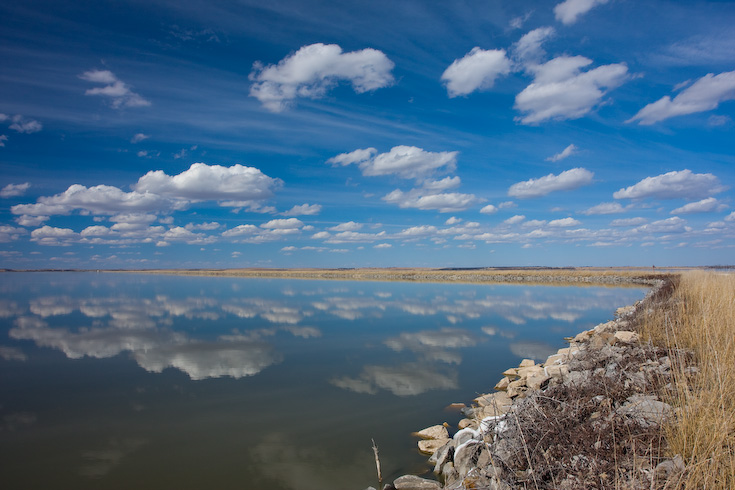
{"x": 410, "y": 482}
{"x": 626, "y": 337}
{"x": 429, "y": 446}
{"x": 434, "y": 432}
{"x": 647, "y": 410}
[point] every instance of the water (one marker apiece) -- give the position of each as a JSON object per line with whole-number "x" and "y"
{"x": 122, "y": 380}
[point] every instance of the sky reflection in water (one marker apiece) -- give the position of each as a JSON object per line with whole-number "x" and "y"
{"x": 116, "y": 379}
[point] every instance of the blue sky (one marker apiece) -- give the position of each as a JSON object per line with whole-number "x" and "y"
{"x": 414, "y": 133}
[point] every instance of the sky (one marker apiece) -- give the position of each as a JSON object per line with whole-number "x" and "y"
{"x": 420, "y": 133}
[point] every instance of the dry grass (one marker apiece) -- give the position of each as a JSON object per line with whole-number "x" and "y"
{"x": 699, "y": 322}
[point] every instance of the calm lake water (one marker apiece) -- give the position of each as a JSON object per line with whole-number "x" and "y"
{"x": 119, "y": 381}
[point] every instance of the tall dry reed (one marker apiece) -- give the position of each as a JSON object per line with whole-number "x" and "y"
{"x": 697, "y": 325}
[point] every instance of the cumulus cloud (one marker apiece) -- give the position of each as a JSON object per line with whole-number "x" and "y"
{"x": 514, "y": 220}
{"x": 669, "y": 225}
{"x": 423, "y": 199}
{"x": 569, "y": 11}
{"x": 348, "y": 226}
{"x": 477, "y": 70}
{"x": 403, "y": 380}
{"x": 703, "y": 95}
{"x": 560, "y": 89}
{"x": 283, "y": 224}
{"x": 408, "y": 162}
{"x": 114, "y": 88}
{"x": 489, "y": 209}
{"x": 708, "y": 205}
{"x": 564, "y": 222}
{"x": 565, "y": 153}
{"x": 10, "y": 233}
{"x": 313, "y": 70}
{"x": 565, "y": 181}
{"x": 101, "y": 199}
{"x": 628, "y": 222}
{"x": 528, "y": 49}
{"x": 14, "y": 190}
{"x": 304, "y": 210}
{"x": 3, "y": 139}
{"x": 48, "y": 235}
{"x": 605, "y": 208}
{"x": 673, "y": 185}
{"x": 210, "y": 182}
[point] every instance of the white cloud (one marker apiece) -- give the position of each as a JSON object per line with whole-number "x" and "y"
{"x": 628, "y": 222}
{"x": 427, "y": 200}
{"x": 673, "y": 185}
{"x": 565, "y": 181}
{"x": 283, "y": 224}
{"x": 605, "y": 208}
{"x": 383, "y": 245}
{"x": 101, "y": 199}
{"x": 564, "y": 222}
{"x": 137, "y": 138}
{"x": 348, "y": 226}
{"x": 704, "y": 206}
{"x": 730, "y": 217}
{"x": 453, "y": 221}
{"x": 478, "y": 70}
{"x": 417, "y": 232}
{"x": 669, "y": 225}
{"x": 565, "y": 153}
{"x": 489, "y": 209}
{"x": 513, "y": 220}
{"x": 408, "y": 162}
{"x": 48, "y": 235}
{"x": 528, "y": 49}
{"x": 24, "y": 125}
{"x": 304, "y": 210}
{"x": 114, "y": 88}
{"x": 240, "y": 230}
{"x": 313, "y": 70}
{"x": 14, "y": 190}
{"x": 568, "y": 11}
{"x": 703, "y": 95}
{"x": 3, "y": 139}
{"x": 561, "y": 91}
{"x": 10, "y": 233}
{"x": 204, "y": 182}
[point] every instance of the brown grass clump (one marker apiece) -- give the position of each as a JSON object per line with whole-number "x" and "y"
{"x": 698, "y": 321}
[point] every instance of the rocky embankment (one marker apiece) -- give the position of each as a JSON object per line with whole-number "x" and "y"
{"x": 588, "y": 417}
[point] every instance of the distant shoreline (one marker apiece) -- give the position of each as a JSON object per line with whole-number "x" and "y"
{"x": 526, "y": 275}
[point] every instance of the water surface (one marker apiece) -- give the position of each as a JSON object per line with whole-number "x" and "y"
{"x": 146, "y": 381}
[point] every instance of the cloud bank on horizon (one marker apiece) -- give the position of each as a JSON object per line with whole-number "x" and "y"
{"x": 474, "y": 135}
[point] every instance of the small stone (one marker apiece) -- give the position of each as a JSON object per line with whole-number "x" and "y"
{"x": 669, "y": 469}
{"x": 511, "y": 373}
{"x": 429, "y": 446}
{"x": 582, "y": 336}
{"x": 527, "y": 363}
{"x": 454, "y": 407}
{"x": 530, "y": 371}
{"x": 434, "y": 432}
{"x": 464, "y": 423}
{"x": 516, "y": 388}
{"x": 646, "y": 410}
{"x": 411, "y": 482}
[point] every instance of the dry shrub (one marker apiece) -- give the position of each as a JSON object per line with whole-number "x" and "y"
{"x": 698, "y": 321}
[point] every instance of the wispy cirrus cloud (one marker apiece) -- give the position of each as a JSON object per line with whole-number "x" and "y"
{"x": 314, "y": 69}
